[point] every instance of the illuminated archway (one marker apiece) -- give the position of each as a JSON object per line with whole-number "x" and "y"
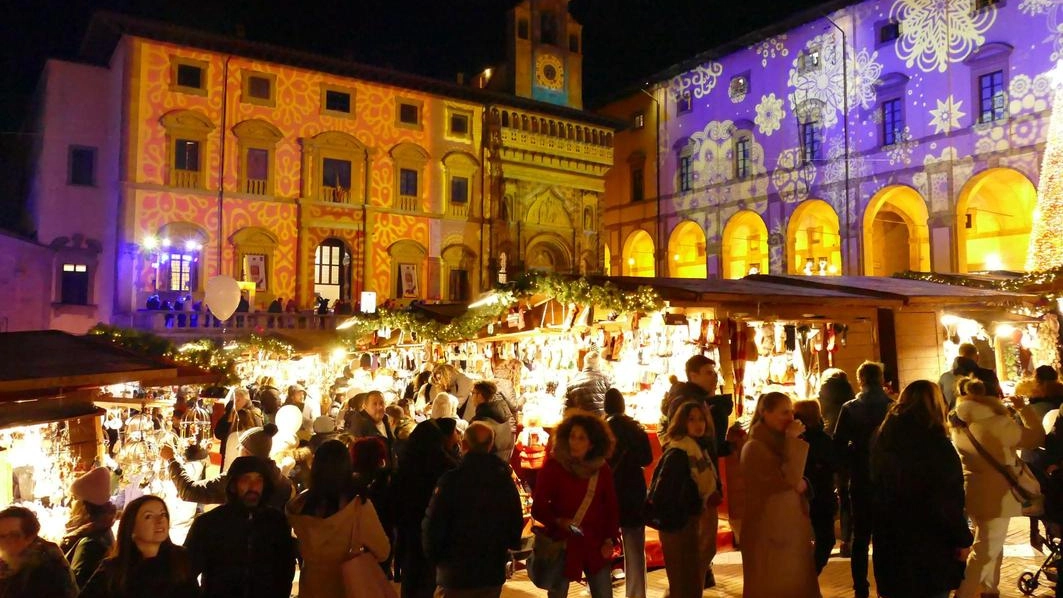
{"x": 638, "y": 255}
{"x": 686, "y": 251}
{"x": 745, "y": 245}
{"x": 993, "y": 220}
{"x": 896, "y": 236}
{"x": 813, "y": 242}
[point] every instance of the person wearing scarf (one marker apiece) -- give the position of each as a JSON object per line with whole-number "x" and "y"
{"x": 778, "y": 557}
{"x": 88, "y": 536}
{"x": 582, "y": 442}
{"x": 688, "y": 489}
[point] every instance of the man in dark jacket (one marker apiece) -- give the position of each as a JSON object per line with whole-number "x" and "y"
{"x": 702, "y": 383}
{"x": 244, "y": 548}
{"x": 31, "y": 566}
{"x": 493, "y": 410}
{"x": 858, "y": 421}
{"x": 473, "y": 520}
{"x": 587, "y": 389}
{"x": 631, "y": 454}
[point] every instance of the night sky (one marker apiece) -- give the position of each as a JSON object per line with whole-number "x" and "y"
{"x": 624, "y": 40}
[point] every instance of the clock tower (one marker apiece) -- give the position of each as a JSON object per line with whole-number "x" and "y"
{"x": 545, "y": 52}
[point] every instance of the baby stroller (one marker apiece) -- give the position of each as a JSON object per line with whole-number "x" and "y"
{"x": 1049, "y": 530}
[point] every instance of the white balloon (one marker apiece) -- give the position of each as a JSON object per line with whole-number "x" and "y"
{"x": 223, "y": 296}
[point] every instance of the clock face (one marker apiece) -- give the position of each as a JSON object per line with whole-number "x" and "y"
{"x": 549, "y": 72}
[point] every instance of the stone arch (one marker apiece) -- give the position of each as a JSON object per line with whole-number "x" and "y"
{"x": 254, "y": 250}
{"x": 547, "y": 252}
{"x": 745, "y": 245}
{"x": 686, "y": 251}
{"x": 549, "y": 210}
{"x": 461, "y": 265}
{"x": 637, "y": 256}
{"x": 994, "y": 215}
{"x": 332, "y": 269}
{"x": 813, "y": 233}
{"x": 180, "y": 249}
{"x": 895, "y": 231}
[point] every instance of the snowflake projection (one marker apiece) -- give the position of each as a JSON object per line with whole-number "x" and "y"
{"x": 698, "y": 82}
{"x": 937, "y": 32}
{"x": 827, "y": 82}
{"x": 1051, "y": 8}
{"x": 991, "y": 138}
{"x": 866, "y": 71}
{"x": 770, "y": 113}
{"x": 901, "y": 152}
{"x": 933, "y": 181}
{"x": 946, "y": 117}
{"x": 793, "y": 177}
{"x": 777, "y": 248}
{"x": 1026, "y": 95}
{"x": 834, "y": 169}
{"x": 714, "y": 152}
{"x": 770, "y": 48}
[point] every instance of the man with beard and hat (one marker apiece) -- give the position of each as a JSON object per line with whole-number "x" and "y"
{"x": 244, "y": 548}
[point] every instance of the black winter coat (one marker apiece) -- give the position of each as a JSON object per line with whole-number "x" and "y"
{"x": 631, "y": 454}
{"x": 857, "y": 423}
{"x": 474, "y": 517}
{"x": 361, "y": 425}
{"x": 499, "y": 416}
{"x": 820, "y": 467}
{"x": 720, "y": 408}
{"x": 149, "y": 578}
{"x": 673, "y": 493}
{"x": 587, "y": 391}
{"x": 919, "y": 519}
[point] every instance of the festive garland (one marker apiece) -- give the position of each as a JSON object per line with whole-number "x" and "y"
{"x": 205, "y": 354}
{"x": 1031, "y": 280}
{"x": 578, "y": 291}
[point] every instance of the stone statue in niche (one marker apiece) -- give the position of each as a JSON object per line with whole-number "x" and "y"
{"x": 502, "y": 279}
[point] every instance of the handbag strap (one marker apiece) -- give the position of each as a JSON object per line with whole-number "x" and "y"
{"x": 587, "y": 498}
{"x": 352, "y": 548}
{"x": 1009, "y": 475}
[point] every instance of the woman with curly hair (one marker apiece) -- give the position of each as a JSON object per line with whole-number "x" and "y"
{"x": 777, "y": 551}
{"x": 144, "y": 563}
{"x": 576, "y": 473}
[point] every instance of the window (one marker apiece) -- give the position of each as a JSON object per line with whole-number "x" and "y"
{"x": 684, "y": 103}
{"x": 458, "y": 289}
{"x": 257, "y": 169}
{"x": 181, "y": 267}
{"x": 186, "y": 155}
{"x": 74, "y": 284}
{"x": 639, "y": 120}
{"x": 259, "y": 87}
{"x": 82, "y": 166}
{"x": 547, "y": 28}
{"x": 459, "y": 189}
{"x": 892, "y": 122}
{"x": 459, "y": 124}
{"x": 889, "y": 32}
{"x": 991, "y": 99}
{"x": 335, "y": 179}
{"x": 189, "y": 75}
{"x": 522, "y": 29}
{"x": 810, "y": 142}
{"x": 686, "y": 175}
{"x": 742, "y": 163}
{"x": 337, "y": 101}
{"x": 409, "y": 114}
{"x": 408, "y": 182}
{"x": 809, "y": 60}
{"x": 327, "y": 262}
{"x": 984, "y": 4}
{"x": 638, "y": 184}
{"x": 739, "y": 87}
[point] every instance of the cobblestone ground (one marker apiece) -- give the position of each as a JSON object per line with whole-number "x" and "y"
{"x": 835, "y": 581}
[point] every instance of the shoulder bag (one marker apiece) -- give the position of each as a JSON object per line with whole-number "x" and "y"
{"x": 362, "y": 575}
{"x": 546, "y": 565}
{"x": 1024, "y": 485}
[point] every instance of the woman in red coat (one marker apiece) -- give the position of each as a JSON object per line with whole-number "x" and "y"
{"x": 577, "y": 460}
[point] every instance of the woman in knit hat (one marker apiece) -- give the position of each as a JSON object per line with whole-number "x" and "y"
{"x": 88, "y": 535}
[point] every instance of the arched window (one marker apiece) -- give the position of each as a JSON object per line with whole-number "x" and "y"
{"x": 186, "y": 148}
{"x": 257, "y": 142}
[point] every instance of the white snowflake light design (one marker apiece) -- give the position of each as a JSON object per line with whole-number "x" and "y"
{"x": 793, "y": 177}
{"x": 698, "y": 82}
{"x": 771, "y": 47}
{"x": 827, "y": 83}
{"x": 770, "y": 113}
{"x": 946, "y": 117}
{"x": 937, "y": 32}
{"x": 901, "y": 151}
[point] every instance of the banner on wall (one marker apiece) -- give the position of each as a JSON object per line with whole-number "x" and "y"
{"x": 408, "y": 276}
{"x": 255, "y": 270}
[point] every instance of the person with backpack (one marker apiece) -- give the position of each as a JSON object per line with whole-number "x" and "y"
{"x": 683, "y": 500}
{"x": 631, "y": 455}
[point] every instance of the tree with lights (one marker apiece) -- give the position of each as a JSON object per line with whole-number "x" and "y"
{"x": 1046, "y": 238}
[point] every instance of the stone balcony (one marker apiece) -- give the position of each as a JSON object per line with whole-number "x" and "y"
{"x": 189, "y": 325}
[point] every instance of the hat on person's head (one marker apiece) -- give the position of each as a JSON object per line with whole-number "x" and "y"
{"x": 259, "y": 441}
{"x": 93, "y": 487}
{"x": 324, "y": 425}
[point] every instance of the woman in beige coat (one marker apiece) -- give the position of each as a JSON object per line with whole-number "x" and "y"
{"x": 990, "y": 503}
{"x": 324, "y": 518}
{"x": 777, "y": 551}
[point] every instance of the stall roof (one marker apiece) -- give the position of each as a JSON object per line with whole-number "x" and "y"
{"x": 907, "y": 290}
{"x": 50, "y": 359}
{"x": 753, "y": 288}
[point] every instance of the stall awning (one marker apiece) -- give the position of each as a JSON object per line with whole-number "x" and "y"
{"x": 38, "y": 362}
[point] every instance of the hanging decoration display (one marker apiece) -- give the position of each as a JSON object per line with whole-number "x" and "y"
{"x": 481, "y": 314}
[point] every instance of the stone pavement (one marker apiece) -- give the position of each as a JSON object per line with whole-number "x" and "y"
{"x": 835, "y": 580}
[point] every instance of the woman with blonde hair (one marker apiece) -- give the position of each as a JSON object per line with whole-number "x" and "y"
{"x": 919, "y": 524}
{"x": 984, "y": 420}
{"x": 777, "y": 551}
{"x": 685, "y": 499}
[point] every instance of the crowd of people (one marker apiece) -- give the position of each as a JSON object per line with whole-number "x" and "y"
{"x": 430, "y": 488}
